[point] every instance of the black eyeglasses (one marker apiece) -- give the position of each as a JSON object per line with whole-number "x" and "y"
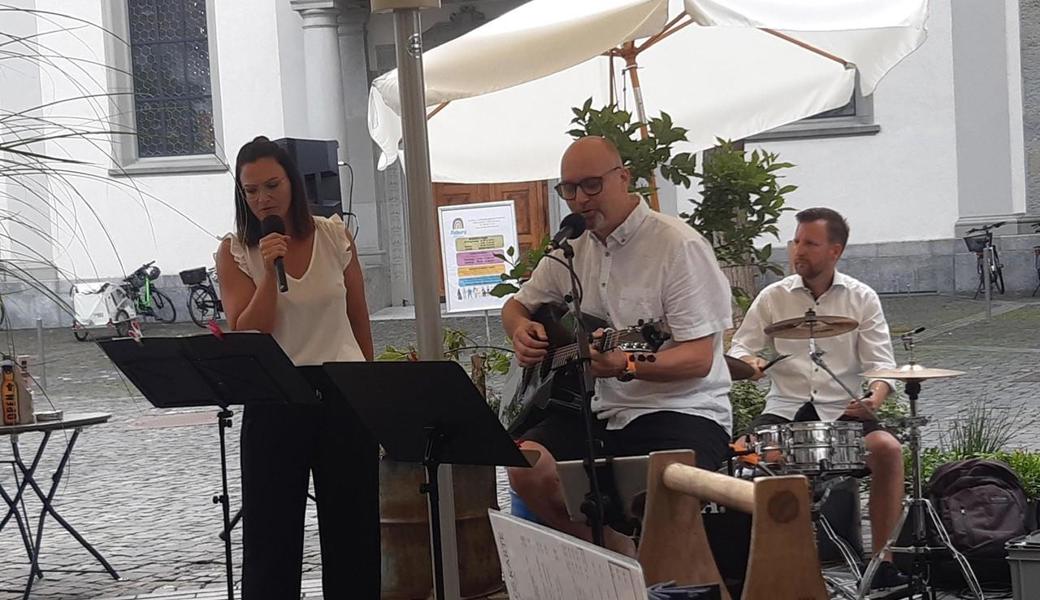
{"x": 590, "y": 185}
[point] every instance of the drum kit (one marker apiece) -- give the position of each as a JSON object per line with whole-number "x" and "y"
{"x": 822, "y": 451}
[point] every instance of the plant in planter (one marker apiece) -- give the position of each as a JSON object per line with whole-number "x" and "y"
{"x": 741, "y": 201}
{"x": 985, "y": 431}
{"x": 749, "y": 400}
{"x": 483, "y": 360}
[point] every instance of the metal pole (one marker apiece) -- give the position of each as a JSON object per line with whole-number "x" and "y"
{"x": 987, "y": 275}
{"x": 422, "y": 232}
{"x": 629, "y": 53}
{"x": 42, "y": 354}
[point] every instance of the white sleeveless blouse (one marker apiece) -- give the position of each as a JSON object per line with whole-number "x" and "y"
{"x": 311, "y": 322}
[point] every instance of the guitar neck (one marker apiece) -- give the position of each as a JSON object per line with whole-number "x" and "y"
{"x": 564, "y": 354}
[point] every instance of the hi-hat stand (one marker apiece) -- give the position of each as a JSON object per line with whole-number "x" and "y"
{"x": 916, "y": 506}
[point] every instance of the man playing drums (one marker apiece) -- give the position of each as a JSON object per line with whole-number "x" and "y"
{"x": 803, "y": 391}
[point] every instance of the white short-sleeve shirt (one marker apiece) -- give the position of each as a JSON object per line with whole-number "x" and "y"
{"x": 652, "y": 266}
{"x": 311, "y": 323}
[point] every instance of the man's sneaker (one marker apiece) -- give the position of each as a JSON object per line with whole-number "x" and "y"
{"x": 888, "y": 576}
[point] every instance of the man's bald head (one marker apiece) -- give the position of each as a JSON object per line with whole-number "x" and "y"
{"x": 595, "y": 182}
{"x": 592, "y": 147}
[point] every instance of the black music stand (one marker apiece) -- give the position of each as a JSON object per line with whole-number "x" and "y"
{"x": 207, "y": 370}
{"x": 429, "y": 413}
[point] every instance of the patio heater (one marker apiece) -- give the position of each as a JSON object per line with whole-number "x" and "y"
{"x": 422, "y": 232}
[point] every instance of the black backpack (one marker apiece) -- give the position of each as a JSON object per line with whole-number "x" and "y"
{"x": 983, "y": 505}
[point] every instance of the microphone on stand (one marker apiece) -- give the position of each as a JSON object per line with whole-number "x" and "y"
{"x": 572, "y": 226}
{"x": 274, "y": 224}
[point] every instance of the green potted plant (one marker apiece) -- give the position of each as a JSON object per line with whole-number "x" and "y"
{"x": 741, "y": 201}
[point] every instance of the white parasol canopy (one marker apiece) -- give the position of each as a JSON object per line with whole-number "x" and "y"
{"x": 720, "y": 68}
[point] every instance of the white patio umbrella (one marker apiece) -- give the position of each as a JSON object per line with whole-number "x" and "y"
{"x": 721, "y": 68}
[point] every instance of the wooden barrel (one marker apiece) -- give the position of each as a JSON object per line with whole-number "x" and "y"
{"x": 407, "y": 572}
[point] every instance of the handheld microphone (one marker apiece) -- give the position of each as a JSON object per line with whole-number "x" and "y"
{"x": 274, "y": 224}
{"x": 572, "y": 226}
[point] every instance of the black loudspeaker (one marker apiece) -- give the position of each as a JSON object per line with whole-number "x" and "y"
{"x": 318, "y": 163}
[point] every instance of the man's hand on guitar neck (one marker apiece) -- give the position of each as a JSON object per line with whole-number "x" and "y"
{"x": 530, "y": 343}
{"x": 606, "y": 364}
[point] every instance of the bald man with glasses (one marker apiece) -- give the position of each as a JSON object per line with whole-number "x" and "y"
{"x": 633, "y": 264}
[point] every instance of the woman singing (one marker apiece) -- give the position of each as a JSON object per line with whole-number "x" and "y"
{"x": 322, "y": 317}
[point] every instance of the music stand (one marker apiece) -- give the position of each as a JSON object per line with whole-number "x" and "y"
{"x": 429, "y": 413}
{"x": 205, "y": 370}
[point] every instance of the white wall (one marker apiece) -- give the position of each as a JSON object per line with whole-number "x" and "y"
{"x": 900, "y": 184}
{"x": 120, "y": 223}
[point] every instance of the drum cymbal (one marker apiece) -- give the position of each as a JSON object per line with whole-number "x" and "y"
{"x": 911, "y": 372}
{"x": 811, "y": 325}
{"x": 738, "y": 369}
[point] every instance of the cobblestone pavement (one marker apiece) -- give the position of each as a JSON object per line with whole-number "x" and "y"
{"x": 140, "y": 489}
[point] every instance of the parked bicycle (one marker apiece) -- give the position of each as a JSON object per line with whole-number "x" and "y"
{"x": 203, "y": 303}
{"x": 1036, "y": 264}
{"x": 977, "y": 243}
{"x": 148, "y": 299}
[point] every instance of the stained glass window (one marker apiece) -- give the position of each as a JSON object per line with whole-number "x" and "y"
{"x": 173, "y": 99}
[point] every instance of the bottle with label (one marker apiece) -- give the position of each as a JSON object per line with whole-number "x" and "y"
{"x": 16, "y": 402}
{"x": 8, "y": 392}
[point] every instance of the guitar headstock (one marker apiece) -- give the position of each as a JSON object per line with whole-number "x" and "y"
{"x": 646, "y": 337}
{"x": 655, "y": 333}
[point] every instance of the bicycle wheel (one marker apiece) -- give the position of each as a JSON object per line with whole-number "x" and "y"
{"x": 163, "y": 309}
{"x": 202, "y": 306}
{"x": 81, "y": 335}
{"x": 122, "y": 322}
{"x": 982, "y": 276}
{"x": 997, "y": 272}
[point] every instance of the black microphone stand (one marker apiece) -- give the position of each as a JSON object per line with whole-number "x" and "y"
{"x": 586, "y": 386}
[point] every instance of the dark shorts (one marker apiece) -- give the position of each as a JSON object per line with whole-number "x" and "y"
{"x": 564, "y": 436}
{"x": 766, "y": 419}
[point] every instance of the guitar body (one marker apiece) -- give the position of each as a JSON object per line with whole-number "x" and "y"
{"x": 542, "y": 388}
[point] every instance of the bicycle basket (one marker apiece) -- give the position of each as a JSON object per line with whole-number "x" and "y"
{"x": 975, "y": 243}
{"x": 193, "y": 276}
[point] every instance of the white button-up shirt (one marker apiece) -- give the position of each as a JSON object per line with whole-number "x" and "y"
{"x": 652, "y": 266}
{"x": 796, "y": 379}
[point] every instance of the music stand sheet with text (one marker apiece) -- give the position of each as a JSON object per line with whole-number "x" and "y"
{"x": 541, "y": 564}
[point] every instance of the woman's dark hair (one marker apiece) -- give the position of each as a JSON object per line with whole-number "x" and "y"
{"x": 247, "y": 226}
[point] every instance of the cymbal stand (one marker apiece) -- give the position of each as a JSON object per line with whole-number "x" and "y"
{"x": 923, "y": 514}
{"x": 847, "y": 553}
{"x": 816, "y": 356}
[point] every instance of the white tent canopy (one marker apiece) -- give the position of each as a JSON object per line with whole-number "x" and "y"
{"x": 512, "y": 82}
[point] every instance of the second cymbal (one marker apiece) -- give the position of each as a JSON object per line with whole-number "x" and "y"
{"x": 912, "y": 372}
{"x": 811, "y": 325}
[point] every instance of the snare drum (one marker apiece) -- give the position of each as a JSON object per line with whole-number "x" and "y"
{"x": 813, "y": 448}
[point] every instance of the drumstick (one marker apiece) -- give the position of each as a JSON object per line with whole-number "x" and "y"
{"x": 775, "y": 360}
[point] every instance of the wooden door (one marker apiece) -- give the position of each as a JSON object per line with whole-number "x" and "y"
{"x": 531, "y": 199}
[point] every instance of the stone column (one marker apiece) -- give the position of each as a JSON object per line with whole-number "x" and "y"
{"x": 1029, "y": 23}
{"x": 989, "y": 122}
{"x": 353, "y": 58}
{"x": 323, "y": 73}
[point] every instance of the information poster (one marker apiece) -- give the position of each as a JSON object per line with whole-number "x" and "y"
{"x": 471, "y": 237}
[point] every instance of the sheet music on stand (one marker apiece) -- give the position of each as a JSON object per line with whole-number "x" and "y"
{"x": 539, "y": 563}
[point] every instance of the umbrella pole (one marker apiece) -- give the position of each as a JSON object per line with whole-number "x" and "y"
{"x": 422, "y": 231}
{"x": 629, "y": 53}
